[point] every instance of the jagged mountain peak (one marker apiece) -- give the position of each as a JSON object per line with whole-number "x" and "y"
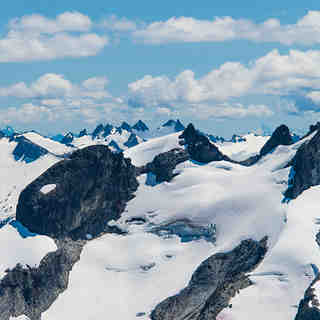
{"x": 140, "y": 126}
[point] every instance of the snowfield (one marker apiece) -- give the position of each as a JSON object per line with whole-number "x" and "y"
{"x": 126, "y": 276}
{"x": 16, "y": 249}
{"x": 242, "y": 150}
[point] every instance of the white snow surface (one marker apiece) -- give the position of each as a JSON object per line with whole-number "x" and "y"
{"x": 242, "y": 150}
{"x": 48, "y": 188}
{"x": 20, "y": 318}
{"x": 52, "y": 146}
{"x": 15, "y": 249}
{"x": 16, "y": 175}
{"x": 146, "y": 151}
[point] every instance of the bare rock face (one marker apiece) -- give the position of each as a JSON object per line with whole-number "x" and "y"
{"x": 163, "y": 165}
{"x": 27, "y": 151}
{"x": 213, "y": 284}
{"x": 89, "y": 189}
{"x": 309, "y": 305}
{"x": 306, "y": 168}
{"x": 281, "y": 136}
{"x": 199, "y": 146}
{"x": 31, "y": 291}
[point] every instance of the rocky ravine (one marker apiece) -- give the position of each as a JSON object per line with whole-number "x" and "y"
{"x": 90, "y": 189}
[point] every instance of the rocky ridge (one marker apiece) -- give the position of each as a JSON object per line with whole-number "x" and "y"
{"x": 213, "y": 284}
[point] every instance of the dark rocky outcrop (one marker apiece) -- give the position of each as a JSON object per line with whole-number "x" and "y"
{"x": 309, "y": 305}
{"x": 132, "y": 141}
{"x": 140, "y": 126}
{"x": 213, "y": 284}
{"x": 83, "y": 133}
{"x": 27, "y": 151}
{"x": 68, "y": 138}
{"x": 114, "y": 146}
{"x": 236, "y": 138}
{"x": 92, "y": 188}
{"x": 281, "y": 136}
{"x": 199, "y": 146}
{"x": 175, "y": 124}
{"x": 126, "y": 126}
{"x": 186, "y": 230}
{"x": 99, "y": 129}
{"x": 164, "y": 164}
{"x": 31, "y": 291}
{"x": 305, "y": 171}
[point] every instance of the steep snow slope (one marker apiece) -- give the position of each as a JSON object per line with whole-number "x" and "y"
{"x": 242, "y": 150}
{"x": 16, "y": 249}
{"x": 145, "y": 152}
{"x": 47, "y": 143}
{"x": 16, "y": 175}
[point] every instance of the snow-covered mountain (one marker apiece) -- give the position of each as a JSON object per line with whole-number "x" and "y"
{"x": 188, "y": 229}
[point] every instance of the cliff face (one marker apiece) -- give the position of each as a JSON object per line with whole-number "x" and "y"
{"x": 306, "y": 168}
{"x": 213, "y": 284}
{"x": 86, "y": 192}
{"x": 199, "y": 146}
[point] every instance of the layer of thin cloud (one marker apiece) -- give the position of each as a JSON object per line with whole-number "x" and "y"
{"x": 114, "y": 23}
{"x": 53, "y": 86}
{"x": 36, "y": 37}
{"x": 67, "y": 21}
{"x": 306, "y": 31}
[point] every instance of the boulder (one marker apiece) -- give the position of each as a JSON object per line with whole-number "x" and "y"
{"x": 80, "y": 195}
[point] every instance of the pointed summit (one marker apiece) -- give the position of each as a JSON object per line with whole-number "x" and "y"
{"x": 126, "y": 126}
{"x": 83, "y": 133}
{"x": 140, "y": 126}
{"x": 68, "y": 138}
{"x": 281, "y": 136}
{"x": 175, "y": 124}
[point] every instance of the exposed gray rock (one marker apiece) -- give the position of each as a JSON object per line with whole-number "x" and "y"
{"x": 132, "y": 141}
{"x": 164, "y": 164}
{"x": 68, "y": 138}
{"x": 27, "y": 151}
{"x": 92, "y": 188}
{"x": 199, "y": 146}
{"x": 126, "y": 126}
{"x": 281, "y": 136}
{"x": 306, "y": 168}
{"x": 186, "y": 230}
{"x": 309, "y": 305}
{"x": 175, "y": 124}
{"x": 140, "y": 126}
{"x": 213, "y": 284}
{"x": 31, "y": 291}
{"x": 83, "y": 133}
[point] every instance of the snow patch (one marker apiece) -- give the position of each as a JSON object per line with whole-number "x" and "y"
{"x": 48, "y": 188}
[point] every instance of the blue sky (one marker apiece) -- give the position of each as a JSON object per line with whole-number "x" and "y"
{"x": 228, "y": 66}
